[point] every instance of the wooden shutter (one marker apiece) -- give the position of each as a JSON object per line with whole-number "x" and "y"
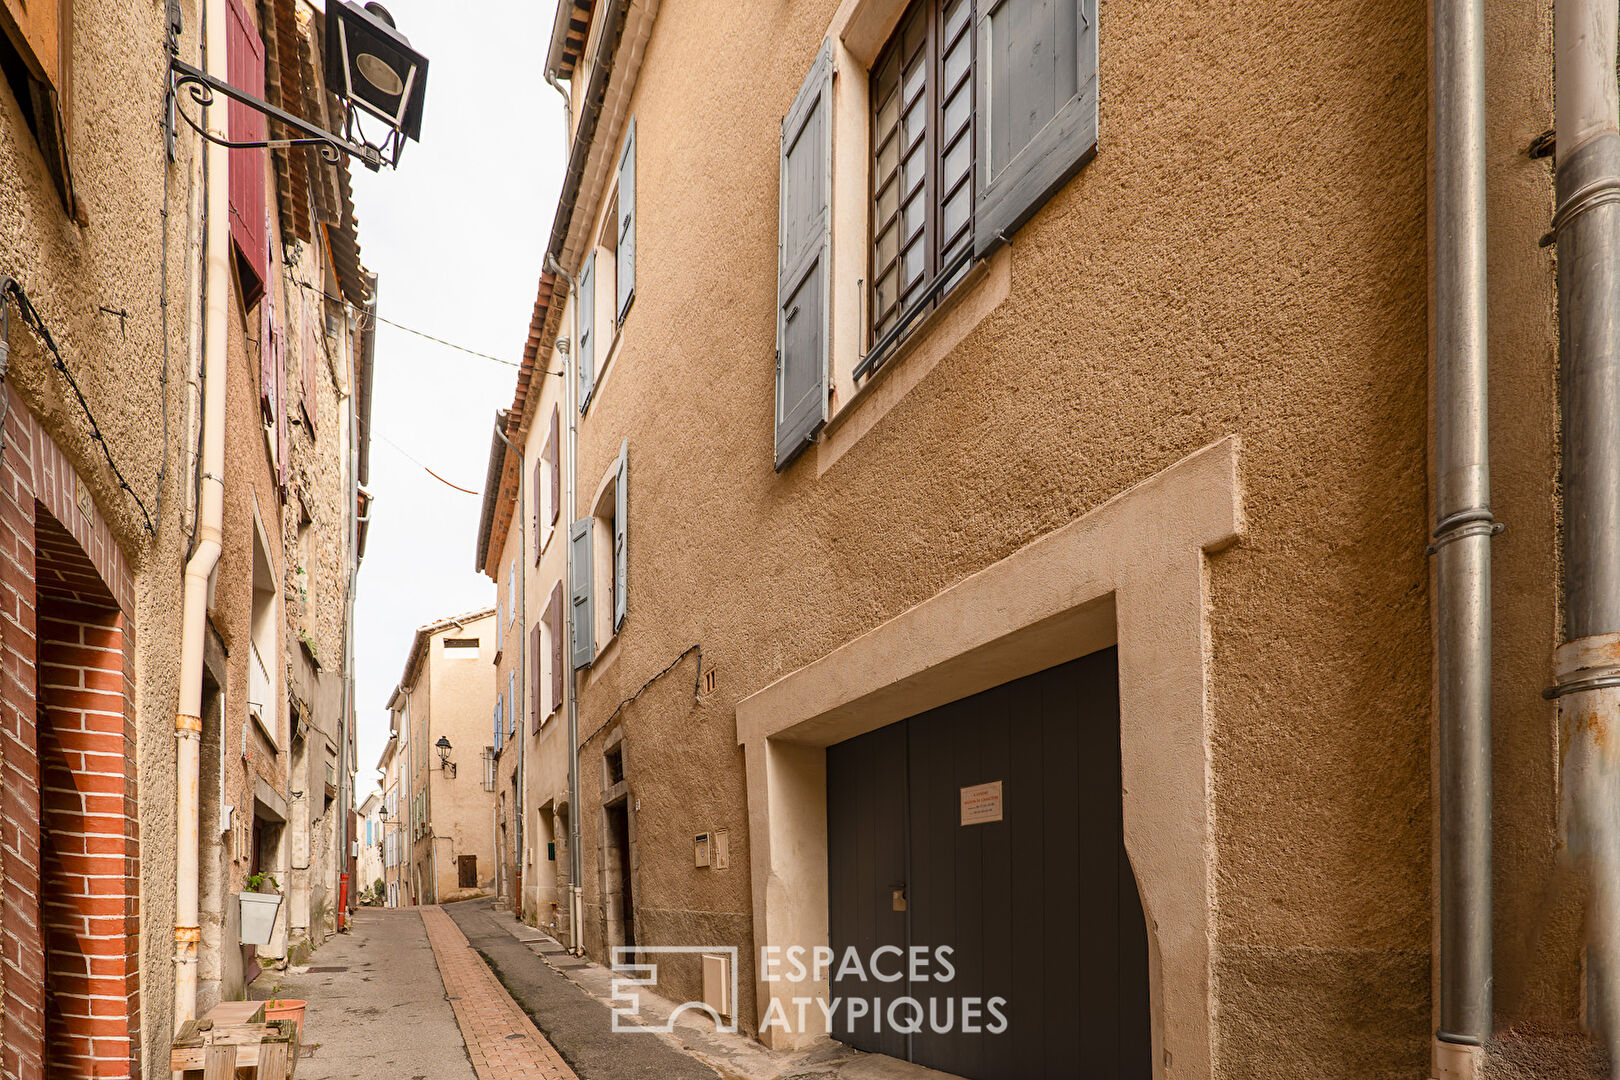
{"x": 1037, "y": 107}
{"x": 626, "y": 249}
{"x": 621, "y": 531}
{"x": 554, "y": 459}
{"x": 579, "y": 593}
{"x": 244, "y": 66}
{"x": 538, "y": 501}
{"x": 803, "y": 248}
{"x": 310, "y": 380}
{"x": 536, "y": 678}
{"x": 587, "y": 339}
{"x": 554, "y": 625}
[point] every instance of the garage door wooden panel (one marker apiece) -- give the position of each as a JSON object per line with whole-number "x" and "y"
{"x": 1039, "y": 908}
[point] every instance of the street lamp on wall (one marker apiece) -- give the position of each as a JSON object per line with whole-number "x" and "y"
{"x": 443, "y": 747}
{"x": 369, "y": 65}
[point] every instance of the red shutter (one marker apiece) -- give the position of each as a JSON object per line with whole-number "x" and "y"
{"x": 311, "y": 365}
{"x": 554, "y": 624}
{"x": 244, "y": 69}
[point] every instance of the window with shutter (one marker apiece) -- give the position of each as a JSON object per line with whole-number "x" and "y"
{"x": 538, "y": 502}
{"x": 587, "y": 337}
{"x": 583, "y": 647}
{"x": 244, "y": 66}
{"x": 1038, "y": 79}
{"x": 922, "y": 165}
{"x": 621, "y": 529}
{"x": 309, "y": 370}
{"x": 554, "y": 626}
{"x": 514, "y": 703}
{"x": 803, "y": 248}
{"x": 551, "y": 459}
{"x": 537, "y": 659}
{"x": 625, "y": 249}
{"x": 39, "y": 36}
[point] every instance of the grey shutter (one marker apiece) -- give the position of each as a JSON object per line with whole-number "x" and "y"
{"x": 1037, "y": 107}
{"x": 621, "y": 528}
{"x": 804, "y": 244}
{"x": 587, "y": 338}
{"x": 579, "y": 589}
{"x": 626, "y": 266}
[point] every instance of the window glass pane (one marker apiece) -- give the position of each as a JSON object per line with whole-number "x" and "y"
{"x": 958, "y": 13}
{"x": 887, "y": 247}
{"x": 958, "y": 159}
{"x": 957, "y": 211}
{"x": 888, "y": 201}
{"x": 888, "y": 156}
{"x": 958, "y": 109}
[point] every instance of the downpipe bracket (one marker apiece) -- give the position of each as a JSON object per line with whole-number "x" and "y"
{"x": 1475, "y": 521}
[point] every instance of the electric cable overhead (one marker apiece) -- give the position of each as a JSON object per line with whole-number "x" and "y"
{"x": 363, "y": 316}
{"x": 406, "y": 454}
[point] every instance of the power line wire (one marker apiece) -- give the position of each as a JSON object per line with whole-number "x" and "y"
{"x": 364, "y": 315}
{"x": 406, "y": 454}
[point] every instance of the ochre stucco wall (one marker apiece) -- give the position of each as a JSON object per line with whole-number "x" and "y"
{"x": 1247, "y": 255}
{"x": 70, "y": 271}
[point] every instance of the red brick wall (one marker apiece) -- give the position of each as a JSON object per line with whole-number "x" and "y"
{"x": 67, "y": 743}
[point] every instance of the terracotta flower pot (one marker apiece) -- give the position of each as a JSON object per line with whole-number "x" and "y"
{"x": 287, "y": 1009}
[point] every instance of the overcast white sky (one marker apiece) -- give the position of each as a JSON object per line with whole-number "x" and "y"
{"x": 457, "y": 238}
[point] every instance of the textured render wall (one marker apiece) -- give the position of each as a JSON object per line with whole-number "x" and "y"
{"x": 546, "y": 769}
{"x": 70, "y": 271}
{"x": 1246, "y": 255}
{"x": 509, "y": 664}
{"x": 463, "y": 693}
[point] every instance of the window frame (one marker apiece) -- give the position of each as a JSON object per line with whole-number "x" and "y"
{"x": 944, "y": 268}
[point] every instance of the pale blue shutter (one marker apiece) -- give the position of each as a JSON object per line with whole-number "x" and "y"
{"x": 626, "y": 259}
{"x": 1037, "y": 105}
{"x": 579, "y": 593}
{"x": 804, "y": 244}
{"x": 621, "y": 524}
{"x": 587, "y": 336}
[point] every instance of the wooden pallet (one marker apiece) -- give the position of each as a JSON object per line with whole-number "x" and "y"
{"x": 235, "y": 1036}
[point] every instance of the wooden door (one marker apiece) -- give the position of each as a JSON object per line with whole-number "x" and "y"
{"x": 1027, "y": 883}
{"x": 466, "y": 871}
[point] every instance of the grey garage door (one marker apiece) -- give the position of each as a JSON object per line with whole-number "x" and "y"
{"x": 988, "y": 831}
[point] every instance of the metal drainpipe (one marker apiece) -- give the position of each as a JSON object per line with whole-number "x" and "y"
{"x": 523, "y": 671}
{"x": 575, "y": 867}
{"x": 1587, "y": 665}
{"x": 1463, "y": 532}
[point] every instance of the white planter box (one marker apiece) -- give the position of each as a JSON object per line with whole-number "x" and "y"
{"x": 258, "y": 916}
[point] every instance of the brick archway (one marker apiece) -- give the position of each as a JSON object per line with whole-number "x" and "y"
{"x": 69, "y": 843}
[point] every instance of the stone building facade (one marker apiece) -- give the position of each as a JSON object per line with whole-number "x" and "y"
{"x": 439, "y": 718}
{"x": 521, "y": 543}
{"x": 103, "y": 248}
{"x": 905, "y": 424}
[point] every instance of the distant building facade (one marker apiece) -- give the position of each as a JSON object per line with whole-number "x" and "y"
{"x": 439, "y": 716}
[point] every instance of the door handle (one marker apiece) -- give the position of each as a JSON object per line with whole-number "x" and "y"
{"x": 897, "y": 895}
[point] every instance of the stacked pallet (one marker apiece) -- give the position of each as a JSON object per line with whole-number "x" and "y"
{"x": 235, "y": 1036}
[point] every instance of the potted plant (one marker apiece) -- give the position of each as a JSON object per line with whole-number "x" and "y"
{"x": 259, "y": 906}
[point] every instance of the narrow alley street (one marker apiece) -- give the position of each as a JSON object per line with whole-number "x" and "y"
{"x": 466, "y": 992}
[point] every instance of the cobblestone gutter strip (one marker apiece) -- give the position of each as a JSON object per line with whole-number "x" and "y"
{"x": 501, "y": 1040}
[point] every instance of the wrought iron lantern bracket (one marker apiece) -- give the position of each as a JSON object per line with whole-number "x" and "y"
{"x": 201, "y": 88}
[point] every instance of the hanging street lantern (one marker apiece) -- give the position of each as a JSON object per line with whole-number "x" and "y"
{"x": 370, "y": 67}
